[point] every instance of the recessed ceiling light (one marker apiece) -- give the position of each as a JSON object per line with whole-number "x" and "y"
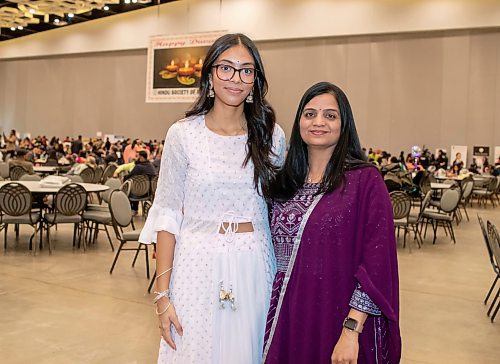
{"x": 134, "y": 1}
{"x": 56, "y": 20}
{"x": 12, "y": 28}
{"x": 32, "y": 11}
{"x": 127, "y": 1}
{"x": 106, "y": 8}
{"x": 20, "y": 28}
{"x": 70, "y": 15}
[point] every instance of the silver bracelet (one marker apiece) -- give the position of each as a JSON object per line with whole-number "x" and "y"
{"x": 165, "y": 310}
{"x": 159, "y": 295}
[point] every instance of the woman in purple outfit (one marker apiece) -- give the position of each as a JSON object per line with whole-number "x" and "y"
{"x": 335, "y": 296}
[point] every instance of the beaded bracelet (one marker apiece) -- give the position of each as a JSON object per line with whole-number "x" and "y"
{"x": 165, "y": 310}
{"x": 165, "y": 293}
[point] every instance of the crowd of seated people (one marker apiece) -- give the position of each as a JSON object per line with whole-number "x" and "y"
{"x": 73, "y": 155}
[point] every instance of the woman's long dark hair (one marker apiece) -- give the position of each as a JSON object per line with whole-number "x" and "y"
{"x": 259, "y": 114}
{"x": 346, "y": 155}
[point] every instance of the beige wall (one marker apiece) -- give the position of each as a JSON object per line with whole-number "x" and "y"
{"x": 260, "y": 19}
{"x": 438, "y": 89}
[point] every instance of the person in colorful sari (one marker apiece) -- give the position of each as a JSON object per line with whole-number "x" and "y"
{"x": 335, "y": 295}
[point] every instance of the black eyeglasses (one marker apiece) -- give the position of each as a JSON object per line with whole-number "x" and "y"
{"x": 226, "y": 72}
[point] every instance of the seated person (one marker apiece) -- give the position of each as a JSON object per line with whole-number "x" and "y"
{"x": 127, "y": 167}
{"x": 22, "y": 159}
{"x": 77, "y": 168}
{"x": 142, "y": 167}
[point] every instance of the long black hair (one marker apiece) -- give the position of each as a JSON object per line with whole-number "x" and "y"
{"x": 259, "y": 114}
{"x": 346, "y": 155}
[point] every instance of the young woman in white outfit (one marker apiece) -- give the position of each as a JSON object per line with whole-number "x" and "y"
{"x": 214, "y": 258}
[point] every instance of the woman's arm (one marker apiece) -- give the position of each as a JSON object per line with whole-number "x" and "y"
{"x": 347, "y": 348}
{"x": 165, "y": 247}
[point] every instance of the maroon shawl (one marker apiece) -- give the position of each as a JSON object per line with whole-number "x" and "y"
{"x": 347, "y": 237}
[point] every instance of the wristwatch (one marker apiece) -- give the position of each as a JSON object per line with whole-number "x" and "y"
{"x": 353, "y": 325}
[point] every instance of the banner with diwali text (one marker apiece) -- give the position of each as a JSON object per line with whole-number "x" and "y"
{"x": 174, "y": 66}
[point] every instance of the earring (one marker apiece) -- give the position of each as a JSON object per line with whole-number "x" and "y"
{"x": 211, "y": 92}
{"x": 249, "y": 98}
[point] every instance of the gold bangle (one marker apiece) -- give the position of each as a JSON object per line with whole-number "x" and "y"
{"x": 165, "y": 310}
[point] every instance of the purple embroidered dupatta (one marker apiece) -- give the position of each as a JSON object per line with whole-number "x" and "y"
{"x": 346, "y": 237}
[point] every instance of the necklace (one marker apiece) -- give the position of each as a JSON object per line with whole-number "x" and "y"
{"x": 312, "y": 179}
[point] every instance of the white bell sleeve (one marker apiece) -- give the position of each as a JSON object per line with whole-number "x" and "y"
{"x": 166, "y": 212}
{"x": 279, "y": 146}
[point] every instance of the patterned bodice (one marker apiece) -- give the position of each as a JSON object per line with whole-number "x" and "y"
{"x": 285, "y": 222}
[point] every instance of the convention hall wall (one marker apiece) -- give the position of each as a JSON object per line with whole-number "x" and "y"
{"x": 417, "y": 72}
{"x": 435, "y": 88}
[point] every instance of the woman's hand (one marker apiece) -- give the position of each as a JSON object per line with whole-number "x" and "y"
{"x": 166, "y": 319}
{"x": 347, "y": 348}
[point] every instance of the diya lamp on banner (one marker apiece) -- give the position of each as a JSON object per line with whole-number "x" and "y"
{"x": 174, "y": 66}
{"x": 185, "y": 74}
{"x": 197, "y": 68}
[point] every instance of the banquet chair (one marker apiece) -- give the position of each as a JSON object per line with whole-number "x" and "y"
{"x": 494, "y": 263}
{"x": 154, "y": 185}
{"x": 486, "y": 194}
{"x": 69, "y": 204}
{"x": 141, "y": 189}
{"x": 416, "y": 220}
{"x": 401, "y": 206}
{"x": 30, "y": 177}
{"x": 494, "y": 239}
{"x": 16, "y": 172}
{"x": 445, "y": 215}
{"x": 108, "y": 172}
{"x": 74, "y": 178}
{"x": 4, "y": 170}
{"x": 98, "y": 172}
{"x": 121, "y": 214}
{"x": 16, "y": 208}
{"x": 95, "y": 215}
{"x": 87, "y": 175}
{"x": 467, "y": 187}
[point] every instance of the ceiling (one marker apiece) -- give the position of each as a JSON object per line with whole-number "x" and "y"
{"x": 19, "y": 18}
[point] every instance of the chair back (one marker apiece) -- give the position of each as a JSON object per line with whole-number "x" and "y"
{"x": 426, "y": 201}
{"x": 4, "y": 170}
{"x": 71, "y": 200}
{"x": 16, "y": 172}
{"x": 467, "y": 189}
{"x": 119, "y": 206}
{"x": 126, "y": 187}
{"x": 87, "y": 175}
{"x": 450, "y": 199}
{"x": 15, "y": 199}
{"x": 108, "y": 172}
{"x": 74, "y": 178}
{"x": 494, "y": 240}
{"x": 113, "y": 184}
{"x": 401, "y": 204}
{"x": 492, "y": 185}
{"x": 486, "y": 239}
{"x": 154, "y": 185}
{"x": 51, "y": 162}
{"x": 141, "y": 185}
{"x": 98, "y": 172}
{"x": 30, "y": 177}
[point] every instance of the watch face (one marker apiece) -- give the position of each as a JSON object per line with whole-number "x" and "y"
{"x": 350, "y": 323}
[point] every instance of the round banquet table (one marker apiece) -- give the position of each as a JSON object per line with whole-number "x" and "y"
{"x": 40, "y": 191}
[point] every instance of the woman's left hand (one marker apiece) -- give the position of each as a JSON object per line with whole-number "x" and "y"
{"x": 346, "y": 350}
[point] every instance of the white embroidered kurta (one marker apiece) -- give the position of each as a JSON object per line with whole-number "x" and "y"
{"x": 202, "y": 183}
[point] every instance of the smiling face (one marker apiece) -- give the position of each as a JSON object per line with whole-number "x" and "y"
{"x": 320, "y": 122}
{"x": 233, "y": 92}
